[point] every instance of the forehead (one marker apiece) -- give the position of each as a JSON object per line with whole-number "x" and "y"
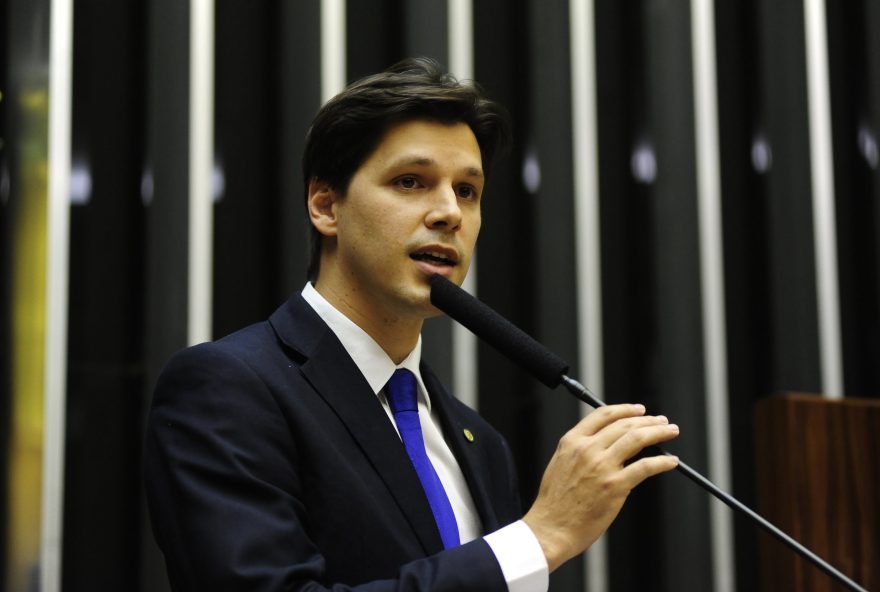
{"x": 428, "y": 142}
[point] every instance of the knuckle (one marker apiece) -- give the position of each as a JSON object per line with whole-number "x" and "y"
{"x": 611, "y": 483}
{"x": 574, "y": 446}
{"x": 637, "y": 438}
{"x": 582, "y": 450}
{"x": 568, "y": 440}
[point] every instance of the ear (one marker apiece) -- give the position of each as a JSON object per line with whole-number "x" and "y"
{"x": 322, "y": 207}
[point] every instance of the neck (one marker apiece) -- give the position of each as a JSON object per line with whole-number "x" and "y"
{"x": 396, "y": 334}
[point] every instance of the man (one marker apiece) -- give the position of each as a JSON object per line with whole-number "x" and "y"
{"x": 280, "y": 457}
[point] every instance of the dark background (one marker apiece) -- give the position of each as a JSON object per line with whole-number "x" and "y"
{"x": 128, "y": 242}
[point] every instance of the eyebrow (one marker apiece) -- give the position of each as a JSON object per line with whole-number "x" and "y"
{"x": 426, "y": 161}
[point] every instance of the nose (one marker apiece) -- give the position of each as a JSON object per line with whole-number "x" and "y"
{"x": 445, "y": 211}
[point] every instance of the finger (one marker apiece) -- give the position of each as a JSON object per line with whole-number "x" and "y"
{"x": 604, "y": 416}
{"x": 634, "y": 473}
{"x": 637, "y": 439}
{"x": 613, "y": 432}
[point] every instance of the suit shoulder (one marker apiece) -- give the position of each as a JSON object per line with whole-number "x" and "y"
{"x": 246, "y": 344}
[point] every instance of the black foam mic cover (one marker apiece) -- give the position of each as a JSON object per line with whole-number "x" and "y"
{"x": 497, "y": 331}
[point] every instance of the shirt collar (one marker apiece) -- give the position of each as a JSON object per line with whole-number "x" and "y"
{"x": 368, "y": 355}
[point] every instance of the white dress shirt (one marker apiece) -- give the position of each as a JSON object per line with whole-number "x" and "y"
{"x": 515, "y": 546}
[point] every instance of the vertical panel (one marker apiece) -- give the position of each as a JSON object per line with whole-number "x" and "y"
{"x": 651, "y": 270}
{"x": 678, "y": 372}
{"x": 746, "y": 264}
{"x": 299, "y": 74}
{"x": 871, "y": 154}
{"x": 201, "y": 161}
{"x": 165, "y": 184}
{"x": 376, "y": 36}
{"x": 105, "y": 387}
{"x": 712, "y": 285}
{"x": 509, "y": 397}
{"x": 28, "y": 44}
{"x": 460, "y": 38}
{"x": 60, "y": 68}
{"x": 253, "y": 226}
{"x": 822, "y": 180}
{"x": 266, "y": 94}
{"x": 854, "y": 79}
{"x": 627, "y": 276}
{"x": 429, "y": 31}
{"x": 587, "y": 231}
{"x": 334, "y": 47}
{"x": 461, "y": 64}
{"x": 794, "y": 331}
{"x": 165, "y": 192}
{"x": 550, "y": 130}
{"x": 6, "y": 232}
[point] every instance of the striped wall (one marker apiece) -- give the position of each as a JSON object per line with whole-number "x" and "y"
{"x": 689, "y": 215}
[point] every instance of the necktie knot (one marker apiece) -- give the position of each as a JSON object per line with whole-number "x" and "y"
{"x": 402, "y": 391}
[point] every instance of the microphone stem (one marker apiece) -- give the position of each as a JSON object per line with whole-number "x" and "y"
{"x": 584, "y": 394}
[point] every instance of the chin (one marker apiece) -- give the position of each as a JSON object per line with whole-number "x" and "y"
{"x": 419, "y": 300}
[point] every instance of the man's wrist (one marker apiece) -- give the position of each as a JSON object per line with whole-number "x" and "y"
{"x": 521, "y": 557}
{"x": 548, "y": 541}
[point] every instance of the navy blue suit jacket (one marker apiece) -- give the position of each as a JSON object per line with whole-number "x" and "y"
{"x": 271, "y": 465}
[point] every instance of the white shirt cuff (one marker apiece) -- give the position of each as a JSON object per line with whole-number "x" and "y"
{"x": 521, "y": 558}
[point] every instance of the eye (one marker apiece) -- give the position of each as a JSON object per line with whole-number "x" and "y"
{"x": 407, "y": 182}
{"x": 467, "y": 192}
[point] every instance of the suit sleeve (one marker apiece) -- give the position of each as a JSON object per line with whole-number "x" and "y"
{"x": 222, "y": 489}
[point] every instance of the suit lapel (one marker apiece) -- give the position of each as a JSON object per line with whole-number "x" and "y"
{"x": 336, "y": 378}
{"x": 471, "y": 456}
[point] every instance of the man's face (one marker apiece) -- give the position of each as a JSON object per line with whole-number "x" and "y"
{"x": 411, "y": 210}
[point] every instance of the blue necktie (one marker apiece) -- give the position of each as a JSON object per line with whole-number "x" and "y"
{"x": 401, "y": 391}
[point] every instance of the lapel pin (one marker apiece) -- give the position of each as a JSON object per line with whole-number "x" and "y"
{"x": 469, "y": 436}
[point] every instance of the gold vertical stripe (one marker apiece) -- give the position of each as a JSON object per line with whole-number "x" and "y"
{"x": 29, "y": 244}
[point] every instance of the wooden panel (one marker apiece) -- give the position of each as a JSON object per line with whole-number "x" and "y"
{"x": 819, "y": 481}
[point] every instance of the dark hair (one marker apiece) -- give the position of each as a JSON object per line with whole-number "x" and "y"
{"x": 350, "y": 126}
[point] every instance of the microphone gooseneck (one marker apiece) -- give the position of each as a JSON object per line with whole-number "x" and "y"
{"x": 551, "y": 370}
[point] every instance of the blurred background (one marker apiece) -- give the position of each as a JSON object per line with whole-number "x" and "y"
{"x": 689, "y": 216}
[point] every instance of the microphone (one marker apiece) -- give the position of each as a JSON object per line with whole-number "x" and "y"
{"x": 497, "y": 331}
{"x": 551, "y": 370}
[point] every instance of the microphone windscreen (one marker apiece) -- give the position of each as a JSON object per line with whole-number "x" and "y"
{"x": 497, "y": 331}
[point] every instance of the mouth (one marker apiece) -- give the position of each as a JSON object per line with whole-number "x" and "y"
{"x": 436, "y": 256}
